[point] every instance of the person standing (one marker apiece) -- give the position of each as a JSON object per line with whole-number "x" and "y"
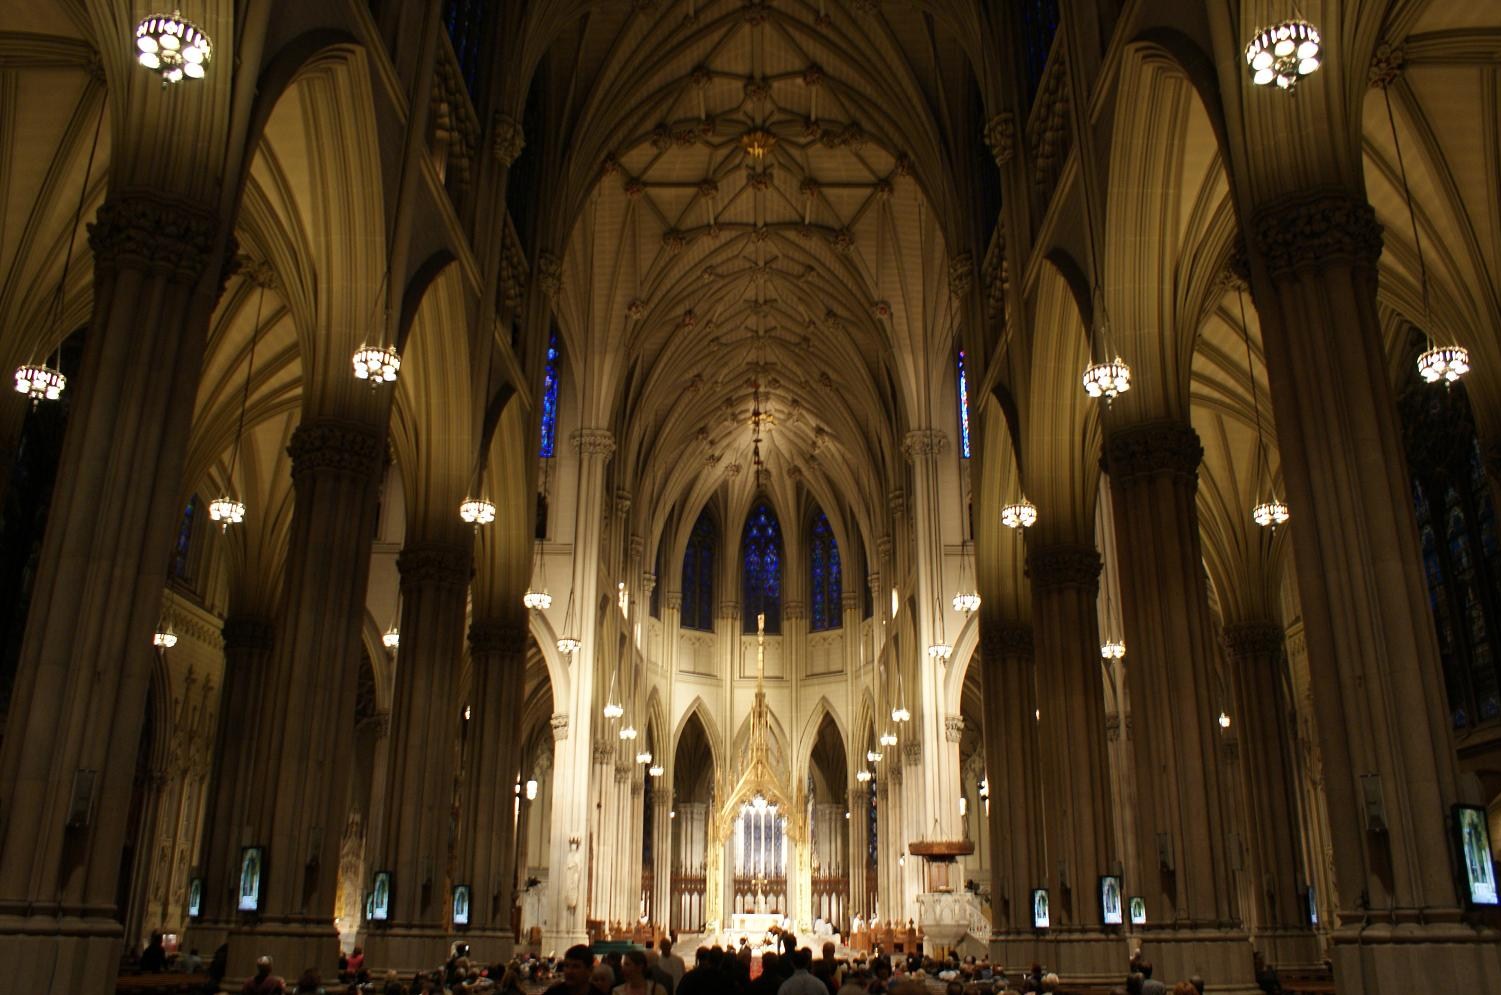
{"x": 671, "y": 962}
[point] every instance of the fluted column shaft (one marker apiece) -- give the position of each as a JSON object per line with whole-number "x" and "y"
{"x": 1009, "y": 703}
{"x": 1268, "y": 792}
{"x": 420, "y": 767}
{"x": 1183, "y": 831}
{"x": 247, "y": 653}
{"x": 487, "y": 834}
{"x": 300, "y": 761}
{"x": 1076, "y": 781}
{"x": 856, "y": 860}
{"x": 67, "y": 763}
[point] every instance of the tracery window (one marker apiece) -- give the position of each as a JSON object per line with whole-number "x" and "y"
{"x": 698, "y": 574}
{"x": 1457, "y": 539}
{"x": 963, "y": 382}
{"x": 761, "y": 580}
{"x": 550, "y": 398}
{"x": 182, "y": 549}
{"x": 827, "y": 582}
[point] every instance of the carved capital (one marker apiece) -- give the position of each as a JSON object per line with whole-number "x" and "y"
{"x": 1245, "y": 640}
{"x": 549, "y": 274}
{"x": 559, "y": 722}
{"x": 622, "y": 773}
{"x": 1064, "y": 565}
{"x": 333, "y": 446}
{"x": 728, "y": 609}
{"x": 147, "y": 231}
{"x": 433, "y": 564}
{"x": 912, "y": 752}
{"x": 1317, "y": 231}
{"x": 603, "y": 752}
{"x": 1113, "y": 726}
{"x": 622, "y": 502}
{"x": 1154, "y": 448}
{"x": 246, "y": 632}
{"x": 953, "y": 728}
{"x": 502, "y": 639}
{"x": 509, "y": 139}
{"x": 675, "y": 601}
{"x": 849, "y": 601}
{"x": 925, "y": 442}
{"x": 1000, "y": 135}
{"x": 594, "y": 442}
{"x": 1002, "y": 639}
{"x": 794, "y": 611}
{"x": 961, "y": 274}
{"x": 1386, "y": 64}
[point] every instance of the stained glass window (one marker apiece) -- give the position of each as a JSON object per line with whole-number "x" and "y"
{"x": 761, "y": 580}
{"x": 182, "y": 550}
{"x": 465, "y": 21}
{"x": 872, "y": 838}
{"x": 963, "y": 408}
{"x": 827, "y": 581}
{"x": 1039, "y": 25}
{"x": 550, "y": 398}
{"x": 698, "y": 575}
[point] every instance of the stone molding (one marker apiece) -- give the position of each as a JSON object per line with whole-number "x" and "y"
{"x": 248, "y": 632}
{"x": 510, "y": 139}
{"x": 433, "y": 564}
{"x": 144, "y": 230}
{"x": 1316, "y": 231}
{"x": 849, "y": 601}
{"x": 559, "y": 722}
{"x": 507, "y": 639}
{"x": 794, "y": 611}
{"x": 594, "y": 442}
{"x": 1002, "y": 639}
{"x": 728, "y": 609}
{"x": 929, "y": 443}
{"x": 1064, "y": 565}
{"x": 332, "y": 445}
{"x": 1153, "y": 448}
{"x": 1255, "y": 638}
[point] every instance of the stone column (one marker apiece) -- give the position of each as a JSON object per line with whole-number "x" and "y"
{"x": 1269, "y": 797}
{"x": 247, "y": 653}
{"x": 859, "y": 844}
{"x": 1183, "y": 834}
{"x": 420, "y": 767}
{"x": 661, "y": 852}
{"x": 300, "y": 762}
{"x": 1009, "y": 703}
{"x": 1378, "y": 689}
{"x": 1075, "y": 782}
{"x": 487, "y": 848}
{"x": 76, "y": 714}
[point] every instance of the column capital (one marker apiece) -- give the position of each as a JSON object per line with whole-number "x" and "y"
{"x": 1000, "y": 135}
{"x": 594, "y": 442}
{"x": 433, "y": 564}
{"x": 622, "y": 497}
{"x": 248, "y": 632}
{"x": 145, "y": 230}
{"x": 498, "y": 638}
{"x": 559, "y": 722}
{"x": 728, "y": 609}
{"x": 794, "y": 611}
{"x": 1153, "y": 448}
{"x": 338, "y": 446}
{"x": 953, "y": 728}
{"x": 1004, "y": 638}
{"x": 1064, "y": 565}
{"x": 1254, "y": 638}
{"x": 1317, "y": 230}
{"x": 675, "y": 601}
{"x": 859, "y": 795}
{"x": 849, "y": 601}
{"x": 509, "y": 139}
{"x": 929, "y": 443}
{"x": 604, "y": 752}
{"x": 912, "y": 752}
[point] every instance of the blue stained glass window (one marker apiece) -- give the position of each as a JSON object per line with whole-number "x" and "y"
{"x": 872, "y": 838}
{"x": 963, "y": 408}
{"x": 465, "y": 21}
{"x": 828, "y": 583}
{"x": 183, "y": 548}
{"x": 761, "y": 580}
{"x": 698, "y": 575}
{"x": 550, "y": 398}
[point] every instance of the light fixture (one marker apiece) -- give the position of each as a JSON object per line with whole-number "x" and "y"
{"x": 1108, "y": 380}
{"x": 862, "y": 775}
{"x": 900, "y": 714}
{"x": 757, "y": 142}
{"x": 1271, "y": 512}
{"x": 531, "y": 789}
{"x": 164, "y": 637}
{"x": 644, "y": 758}
{"x": 377, "y": 363}
{"x": 889, "y": 738}
{"x": 1112, "y": 649}
{"x": 940, "y": 651}
{"x": 1224, "y": 720}
{"x": 1019, "y": 515}
{"x": 966, "y": 603}
{"x": 539, "y": 600}
{"x": 468, "y": 711}
{"x": 672, "y": 814}
{"x": 535, "y": 599}
{"x": 568, "y": 644}
{"x": 655, "y": 770}
{"x": 226, "y": 509}
{"x": 628, "y": 733}
{"x": 873, "y": 756}
{"x": 173, "y": 47}
{"x": 1283, "y": 53}
{"x": 45, "y": 381}
{"x": 477, "y": 512}
{"x": 392, "y": 639}
{"x": 613, "y": 710}
{"x": 1443, "y": 364}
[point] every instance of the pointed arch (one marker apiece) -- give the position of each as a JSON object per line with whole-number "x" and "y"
{"x": 761, "y": 560}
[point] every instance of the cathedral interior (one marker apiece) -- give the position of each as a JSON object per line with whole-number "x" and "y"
{"x": 529, "y": 472}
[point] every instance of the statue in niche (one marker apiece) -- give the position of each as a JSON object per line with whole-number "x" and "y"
{"x": 572, "y": 873}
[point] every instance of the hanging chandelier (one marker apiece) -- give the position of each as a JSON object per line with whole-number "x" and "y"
{"x": 1019, "y": 515}
{"x": 477, "y": 512}
{"x": 644, "y": 758}
{"x": 862, "y": 775}
{"x": 1440, "y": 363}
{"x": 227, "y": 509}
{"x": 1273, "y": 511}
{"x": 1270, "y": 513}
{"x": 1284, "y": 53}
{"x": 613, "y": 710}
{"x": 873, "y": 756}
{"x": 966, "y": 599}
{"x": 628, "y": 733}
{"x": 1112, "y": 649}
{"x": 568, "y": 644}
{"x": 966, "y": 602}
{"x": 392, "y": 639}
{"x": 900, "y": 714}
{"x": 164, "y": 637}
{"x": 538, "y": 600}
{"x": 173, "y": 47}
{"x": 889, "y": 738}
{"x": 940, "y": 651}
{"x": 1224, "y": 720}
{"x": 1107, "y": 380}
{"x": 655, "y": 770}
{"x": 40, "y": 382}
{"x": 377, "y": 363}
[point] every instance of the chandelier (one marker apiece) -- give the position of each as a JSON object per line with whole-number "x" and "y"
{"x": 1112, "y": 649}
{"x": 1273, "y": 511}
{"x": 226, "y": 509}
{"x": 1019, "y": 515}
{"x": 900, "y": 714}
{"x": 873, "y": 756}
{"x": 392, "y": 639}
{"x": 173, "y": 47}
{"x": 940, "y": 651}
{"x": 1224, "y": 720}
{"x": 1440, "y": 363}
{"x": 1283, "y": 53}
{"x": 164, "y": 637}
{"x": 1107, "y": 380}
{"x": 628, "y": 733}
{"x": 862, "y": 775}
{"x": 568, "y": 644}
{"x": 1270, "y": 513}
{"x": 889, "y": 738}
{"x": 644, "y": 758}
{"x": 613, "y": 710}
{"x": 655, "y": 770}
{"x": 477, "y": 512}
{"x": 376, "y": 363}
{"x": 966, "y": 599}
{"x": 40, "y": 382}
{"x": 538, "y": 600}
